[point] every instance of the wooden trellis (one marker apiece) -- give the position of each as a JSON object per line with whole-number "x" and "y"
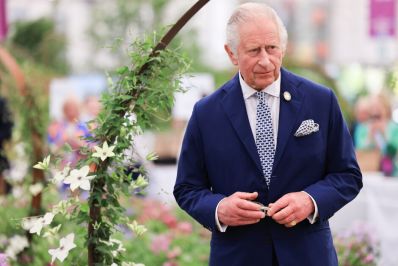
{"x": 95, "y": 211}
{"x": 13, "y": 69}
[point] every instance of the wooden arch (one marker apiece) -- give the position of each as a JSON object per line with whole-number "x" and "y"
{"x": 12, "y": 67}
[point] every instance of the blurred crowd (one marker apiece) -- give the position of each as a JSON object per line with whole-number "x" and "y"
{"x": 73, "y": 127}
{"x": 375, "y": 134}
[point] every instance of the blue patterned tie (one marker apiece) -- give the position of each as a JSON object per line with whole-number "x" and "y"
{"x": 265, "y": 136}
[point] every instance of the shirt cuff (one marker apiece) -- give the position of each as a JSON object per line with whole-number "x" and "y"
{"x": 222, "y": 228}
{"x": 312, "y": 217}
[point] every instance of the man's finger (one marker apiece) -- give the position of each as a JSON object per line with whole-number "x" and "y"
{"x": 289, "y": 220}
{"x": 246, "y": 214}
{"x": 248, "y": 205}
{"x": 278, "y": 205}
{"x": 247, "y": 196}
{"x": 282, "y": 213}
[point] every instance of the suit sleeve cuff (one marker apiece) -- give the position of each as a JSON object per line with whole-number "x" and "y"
{"x": 222, "y": 228}
{"x": 312, "y": 217}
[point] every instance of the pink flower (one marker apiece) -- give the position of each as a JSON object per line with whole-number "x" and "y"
{"x": 170, "y": 263}
{"x": 169, "y": 219}
{"x": 3, "y": 260}
{"x": 368, "y": 258}
{"x": 184, "y": 227}
{"x": 175, "y": 252}
{"x": 160, "y": 243}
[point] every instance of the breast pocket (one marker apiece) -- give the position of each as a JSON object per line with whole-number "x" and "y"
{"x": 311, "y": 148}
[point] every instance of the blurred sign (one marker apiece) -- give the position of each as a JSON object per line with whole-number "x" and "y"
{"x": 79, "y": 87}
{"x": 3, "y": 20}
{"x": 197, "y": 85}
{"x": 382, "y": 18}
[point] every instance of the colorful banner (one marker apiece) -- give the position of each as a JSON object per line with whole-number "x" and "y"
{"x": 3, "y": 20}
{"x": 383, "y": 20}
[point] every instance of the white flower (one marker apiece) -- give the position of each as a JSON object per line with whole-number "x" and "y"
{"x": 79, "y": 178}
{"x": 18, "y": 170}
{"x": 63, "y": 206}
{"x": 141, "y": 182}
{"x": 36, "y": 225}
{"x": 44, "y": 164}
{"x": 128, "y": 264}
{"x": 61, "y": 175}
{"x": 35, "y": 189}
{"x": 136, "y": 228}
{"x": 152, "y": 156}
{"x": 132, "y": 264}
{"x": 27, "y": 223}
{"x": 117, "y": 243}
{"x": 104, "y": 152}
{"x": 65, "y": 245}
{"x": 18, "y": 192}
{"x": 51, "y": 233}
{"x": 16, "y": 245}
{"x": 120, "y": 247}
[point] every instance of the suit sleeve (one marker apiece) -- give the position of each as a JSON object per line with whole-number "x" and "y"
{"x": 192, "y": 189}
{"x": 343, "y": 179}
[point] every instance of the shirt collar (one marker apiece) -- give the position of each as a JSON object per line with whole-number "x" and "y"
{"x": 273, "y": 89}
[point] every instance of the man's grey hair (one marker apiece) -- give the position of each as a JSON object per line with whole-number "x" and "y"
{"x": 247, "y": 12}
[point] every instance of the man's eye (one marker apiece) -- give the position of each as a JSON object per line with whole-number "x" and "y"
{"x": 272, "y": 48}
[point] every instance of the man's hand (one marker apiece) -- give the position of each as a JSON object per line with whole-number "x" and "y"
{"x": 238, "y": 209}
{"x": 291, "y": 209}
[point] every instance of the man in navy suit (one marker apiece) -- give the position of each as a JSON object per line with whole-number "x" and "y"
{"x": 221, "y": 179}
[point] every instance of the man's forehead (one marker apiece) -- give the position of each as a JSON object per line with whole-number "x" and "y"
{"x": 262, "y": 24}
{"x": 259, "y": 34}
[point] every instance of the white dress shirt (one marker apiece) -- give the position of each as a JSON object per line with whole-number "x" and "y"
{"x": 273, "y": 101}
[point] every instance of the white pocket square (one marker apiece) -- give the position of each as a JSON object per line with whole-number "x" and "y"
{"x": 307, "y": 127}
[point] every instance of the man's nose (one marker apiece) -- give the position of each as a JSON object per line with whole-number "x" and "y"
{"x": 264, "y": 58}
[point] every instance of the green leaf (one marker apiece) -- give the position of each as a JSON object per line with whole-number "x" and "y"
{"x": 84, "y": 207}
{"x": 122, "y": 70}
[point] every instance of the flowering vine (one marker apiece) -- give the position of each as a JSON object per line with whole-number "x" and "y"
{"x": 129, "y": 107}
{"x": 143, "y": 90}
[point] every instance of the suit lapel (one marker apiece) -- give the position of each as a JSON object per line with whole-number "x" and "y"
{"x": 235, "y": 109}
{"x": 288, "y": 114}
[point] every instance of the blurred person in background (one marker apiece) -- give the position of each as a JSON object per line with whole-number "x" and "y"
{"x": 91, "y": 108}
{"x": 361, "y": 114}
{"x": 6, "y": 125}
{"x": 379, "y": 133}
{"x": 266, "y": 137}
{"x": 69, "y": 130}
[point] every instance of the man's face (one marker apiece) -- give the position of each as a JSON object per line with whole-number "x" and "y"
{"x": 259, "y": 52}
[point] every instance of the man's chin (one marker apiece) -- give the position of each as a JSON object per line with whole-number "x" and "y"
{"x": 263, "y": 83}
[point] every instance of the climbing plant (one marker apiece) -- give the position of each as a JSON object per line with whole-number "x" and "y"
{"x": 142, "y": 89}
{"x": 134, "y": 97}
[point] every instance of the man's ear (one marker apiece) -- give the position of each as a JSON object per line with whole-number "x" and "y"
{"x": 233, "y": 57}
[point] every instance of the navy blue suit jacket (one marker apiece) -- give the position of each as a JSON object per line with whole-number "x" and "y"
{"x": 219, "y": 157}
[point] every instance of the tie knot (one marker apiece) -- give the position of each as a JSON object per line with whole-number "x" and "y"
{"x": 261, "y": 96}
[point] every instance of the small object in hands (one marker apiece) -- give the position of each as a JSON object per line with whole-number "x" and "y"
{"x": 262, "y": 207}
{"x": 292, "y": 223}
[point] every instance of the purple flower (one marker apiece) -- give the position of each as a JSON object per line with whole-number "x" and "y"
{"x": 3, "y": 260}
{"x": 359, "y": 244}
